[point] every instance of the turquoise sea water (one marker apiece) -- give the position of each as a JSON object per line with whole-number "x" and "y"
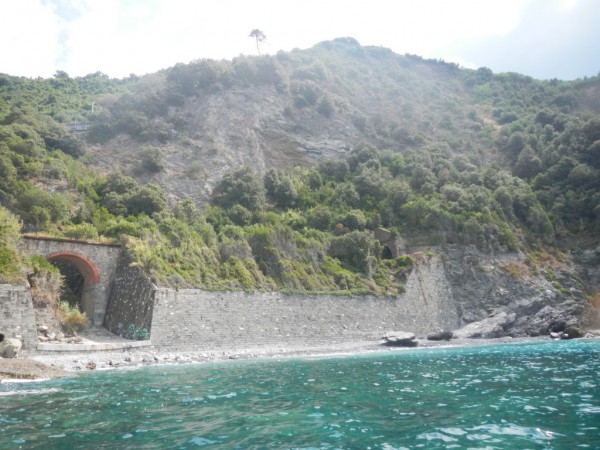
{"x": 538, "y": 396}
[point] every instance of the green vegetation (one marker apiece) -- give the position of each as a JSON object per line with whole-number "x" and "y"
{"x": 45, "y": 280}
{"x": 138, "y": 334}
{"x": 10, "y": 229}
{"x": 449, "y": 156}
{"x": 70, "y": 317}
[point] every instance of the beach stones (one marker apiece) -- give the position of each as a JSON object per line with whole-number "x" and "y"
{"x": 399, "y": 339}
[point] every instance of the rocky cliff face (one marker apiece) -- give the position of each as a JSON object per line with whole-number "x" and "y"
{"x": 509, "y": 295}
{"x": 227, "y": 129}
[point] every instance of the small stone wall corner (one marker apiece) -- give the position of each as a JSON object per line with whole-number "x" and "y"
{"x": 17, "y": 318}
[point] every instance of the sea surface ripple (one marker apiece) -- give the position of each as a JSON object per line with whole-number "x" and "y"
{"x": 536, "y": 395}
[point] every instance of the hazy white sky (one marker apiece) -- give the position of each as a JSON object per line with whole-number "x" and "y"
{"x": 541, "y": 38}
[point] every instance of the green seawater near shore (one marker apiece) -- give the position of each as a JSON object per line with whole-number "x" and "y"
{"x": 538, "y": 395}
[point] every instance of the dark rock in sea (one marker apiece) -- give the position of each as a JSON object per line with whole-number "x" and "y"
{"x": 444, "y": 335}
{"x": 399, "y": 339}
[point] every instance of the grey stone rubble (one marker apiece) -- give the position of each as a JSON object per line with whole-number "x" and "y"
{"x": 134, "y": 358}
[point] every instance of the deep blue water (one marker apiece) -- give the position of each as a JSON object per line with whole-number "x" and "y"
{"x": 519, "y": 396}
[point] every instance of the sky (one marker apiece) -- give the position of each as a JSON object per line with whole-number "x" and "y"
{"x": 541, "y": 38}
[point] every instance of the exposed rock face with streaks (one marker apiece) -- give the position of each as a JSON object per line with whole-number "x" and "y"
{"x": 502, "y": 296}
{"x": 230, "y": 129}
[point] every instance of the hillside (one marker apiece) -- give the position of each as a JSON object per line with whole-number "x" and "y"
{"x": 272, "y": 172}
{"x": 301, "y": 107}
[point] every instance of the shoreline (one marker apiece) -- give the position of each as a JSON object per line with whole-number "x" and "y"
{"x": 36, "y": 366}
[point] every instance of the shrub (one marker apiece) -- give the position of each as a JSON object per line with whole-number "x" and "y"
{"x": 241, "y": 186}
{"x": 354, "y": 220}
{"x": 45, "y": 281}
{"x": 319, "y": 218}
{"x": 326, "y": 107}
{"x": 138, "y": 334}
{"x": 70, "y": 317}
{"x": 9, "y": 234}
{"x": 515, "y": 269}
{"x": 595, "y": 300}
{"x": 306, "y": 93}
{"x": 151, "y": 160}
{"x": 9, "y": 266}
{"x": 404, "y": 262}
{"x": 81, "y": 231}
{"x": 147, "y": 200}
{"x": 356, "y": 250}
{"x": 241, "y": 273}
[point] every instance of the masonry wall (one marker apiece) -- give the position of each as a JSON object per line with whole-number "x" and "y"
{"x": 17, "y": 319}
{"x": 190, "y": 318}
{"x": 131, "y": 299}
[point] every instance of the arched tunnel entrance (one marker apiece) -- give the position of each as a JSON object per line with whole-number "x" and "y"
{"x": 386, "y": 253}
{"x": 80, "y": 276}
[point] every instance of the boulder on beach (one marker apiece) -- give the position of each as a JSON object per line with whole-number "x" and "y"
{"x": 399, "y": 339}
{"x": 572, "y": 332}
{"x": 442, "y": 335}
{"x": 491, "y": 327}
{"x": 10, "y": 347}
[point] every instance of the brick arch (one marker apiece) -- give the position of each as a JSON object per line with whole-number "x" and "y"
{"x": 87, "y": 268}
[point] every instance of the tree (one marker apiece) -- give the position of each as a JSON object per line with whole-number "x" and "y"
{"x": 147, "y": 200}
{"x": 528, "y": 163}
{"x": 354, "y": 220}
{"x": 280, "y": 189}
{"x": 241, "y": 186}
{"x": 259, "y": 36}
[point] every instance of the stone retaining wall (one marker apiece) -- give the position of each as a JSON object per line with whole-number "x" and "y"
{"x": 17, "y": 319}
{"x": 191, "y": 318}
{"x": 201, "y": 320}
